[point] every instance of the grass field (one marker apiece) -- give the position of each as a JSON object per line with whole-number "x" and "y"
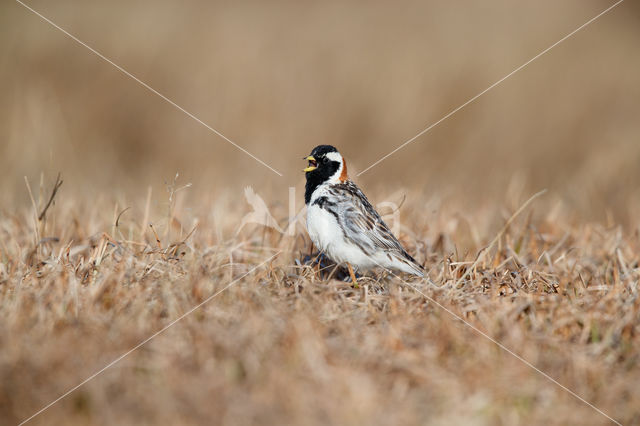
{"x": 250, "y": 332}
{"x": 276, "y": 343}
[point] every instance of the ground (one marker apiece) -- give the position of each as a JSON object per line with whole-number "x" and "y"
{"x": 272, "y": 341}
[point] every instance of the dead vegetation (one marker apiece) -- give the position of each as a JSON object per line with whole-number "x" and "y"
{"x": 281, "y": 344}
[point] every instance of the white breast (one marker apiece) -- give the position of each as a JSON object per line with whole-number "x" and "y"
{"x": 323, "y": 227}
{"x": 327, "y": 235}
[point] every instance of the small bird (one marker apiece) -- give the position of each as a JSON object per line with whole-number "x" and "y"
{"x": 343, "y": 224}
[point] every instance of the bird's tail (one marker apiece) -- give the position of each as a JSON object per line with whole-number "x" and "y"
{"x": 416, "y": 269}
{"x": 413, "y": 267}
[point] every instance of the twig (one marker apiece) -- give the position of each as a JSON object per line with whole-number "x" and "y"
{"x": 404, "y": 198}
{"x": 57, "y": 186}
{"x": 119, "y": 215}
{"x": 155, "y": 234}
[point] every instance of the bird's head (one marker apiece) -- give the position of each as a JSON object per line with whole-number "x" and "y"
{"x": 325, "y": 165}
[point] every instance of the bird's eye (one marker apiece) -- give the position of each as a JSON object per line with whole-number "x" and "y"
{"x": 325, "y": 159}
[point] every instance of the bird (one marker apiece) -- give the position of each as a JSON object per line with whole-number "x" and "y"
{"x": 343, "y": 224}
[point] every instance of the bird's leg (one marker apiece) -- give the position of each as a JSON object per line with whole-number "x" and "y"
{"x": 353, "y": 275}
{"x": 315, "y": 263}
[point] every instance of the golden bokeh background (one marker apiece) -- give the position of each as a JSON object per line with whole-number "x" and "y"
{"x": 280, "y": 77}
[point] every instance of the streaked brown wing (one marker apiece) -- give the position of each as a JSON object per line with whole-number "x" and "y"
{"x": 361, "y": 222}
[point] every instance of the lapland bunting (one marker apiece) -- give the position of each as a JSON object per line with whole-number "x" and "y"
{"x": 343, "y": 224}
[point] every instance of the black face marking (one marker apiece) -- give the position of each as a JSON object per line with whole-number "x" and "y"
{"x": 325, "y": 169}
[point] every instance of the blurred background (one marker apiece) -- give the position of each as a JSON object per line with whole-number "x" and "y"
{"x": 280, "y": 77}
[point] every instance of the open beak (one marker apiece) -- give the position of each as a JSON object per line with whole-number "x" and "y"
{"x": 312, "y": 164}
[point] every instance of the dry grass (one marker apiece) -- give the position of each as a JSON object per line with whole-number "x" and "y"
{"x": 284, "y": 346}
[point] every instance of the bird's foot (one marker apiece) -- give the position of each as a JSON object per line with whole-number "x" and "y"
{"x": 354, "y": 280}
